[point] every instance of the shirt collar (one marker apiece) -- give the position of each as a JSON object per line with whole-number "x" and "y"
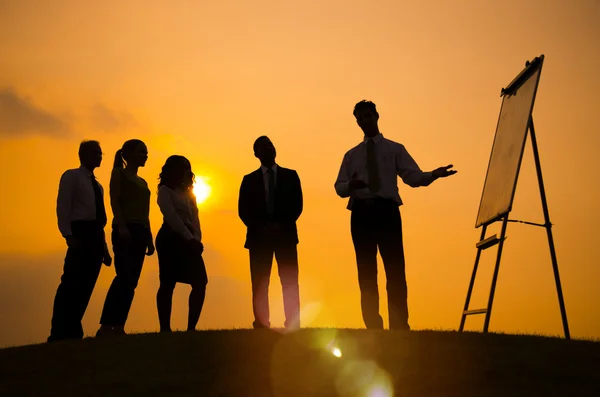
{"x": 86, "y": 171}
{"x": 266, "y": 169}
{"x": 377, "y": 138}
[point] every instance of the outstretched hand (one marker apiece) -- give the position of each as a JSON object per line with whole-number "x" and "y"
{"x": 443, "y": 172}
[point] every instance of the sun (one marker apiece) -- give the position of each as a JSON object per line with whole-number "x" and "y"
{"x": 201, "y": 189}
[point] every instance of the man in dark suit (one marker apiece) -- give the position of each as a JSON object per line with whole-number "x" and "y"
{"x": 270, "y": 203}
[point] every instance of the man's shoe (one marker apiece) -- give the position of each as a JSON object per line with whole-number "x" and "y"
{"x": 104, "y": 331}
{"x": 119, "y": 330}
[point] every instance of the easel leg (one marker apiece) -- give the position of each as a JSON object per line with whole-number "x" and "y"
{"x": 472, "y": 283}
{"x": 488, "y": 313}
{"x": 548, "y": 226}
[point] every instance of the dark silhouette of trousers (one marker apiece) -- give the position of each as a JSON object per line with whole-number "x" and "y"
{"x": 129, "y": 259}
{"x": 261, "y": 262}
{"x": 376, "y": 223}
{"x": 81, "y": 270}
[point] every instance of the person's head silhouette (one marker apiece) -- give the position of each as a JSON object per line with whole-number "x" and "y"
{"x": 367, "y": 117}
{"x": 134, "y": 153}
{"x": 264, "y": 150}
{"x": 90, "y": 154}
{"x": 177, "y": 173}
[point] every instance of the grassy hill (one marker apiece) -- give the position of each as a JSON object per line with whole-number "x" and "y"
{"x": 311, "y": 362}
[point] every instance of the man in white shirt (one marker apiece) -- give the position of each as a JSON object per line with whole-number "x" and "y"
{"x": 368, "y": 176}
{"x": 81, "y": 219}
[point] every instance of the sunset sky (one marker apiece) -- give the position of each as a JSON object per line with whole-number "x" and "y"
{"x": 205, "y": 79}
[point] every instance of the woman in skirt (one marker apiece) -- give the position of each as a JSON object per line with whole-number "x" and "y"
{"x": 179, "y": 242}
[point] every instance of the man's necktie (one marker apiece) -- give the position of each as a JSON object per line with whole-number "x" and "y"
{"x": 100, "y": 211}
{"x": 372, "y": 169}
{"x": 271, "y": 195}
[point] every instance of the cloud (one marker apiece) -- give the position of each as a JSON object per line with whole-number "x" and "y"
{"x": 109, "y": 120}
{"x": 20, "y": 116}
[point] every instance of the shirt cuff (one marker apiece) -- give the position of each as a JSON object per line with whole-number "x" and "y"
{"x": 428, "y": 177}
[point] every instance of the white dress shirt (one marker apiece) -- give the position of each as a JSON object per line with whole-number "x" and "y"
{"x": 393, "y": 160}
{"x": 265, "y": 171}
{"x": 76, "y": 199}
{"x": 180, "y": 213}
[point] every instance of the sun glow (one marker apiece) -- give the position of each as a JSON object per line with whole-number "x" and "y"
{"x": 202, "y": 189}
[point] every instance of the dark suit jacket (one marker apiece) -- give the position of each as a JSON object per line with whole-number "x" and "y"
{"x": 252, "y": 207}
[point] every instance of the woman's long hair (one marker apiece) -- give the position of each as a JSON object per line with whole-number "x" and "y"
{"x": 122, "y": 155}
{"x": 177, "y": 173}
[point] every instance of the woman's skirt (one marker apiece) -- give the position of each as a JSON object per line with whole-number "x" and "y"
{"x": 179, "y": 261}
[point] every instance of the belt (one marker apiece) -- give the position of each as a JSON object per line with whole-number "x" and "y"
{"x": 375, "y": 200}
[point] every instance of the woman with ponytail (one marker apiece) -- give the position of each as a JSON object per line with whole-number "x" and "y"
{"x": 131, "y": 234}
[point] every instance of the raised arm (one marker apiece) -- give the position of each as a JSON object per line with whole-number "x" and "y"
{"x": 347, "y": 183}
{"x": 167, "y": 208}
{"x": 409, "y": 171}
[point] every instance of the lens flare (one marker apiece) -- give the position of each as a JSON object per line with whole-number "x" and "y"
{"x": 310, "y": 312}
{"x": 381, "y": 390}
{"x": 363, "y": 378}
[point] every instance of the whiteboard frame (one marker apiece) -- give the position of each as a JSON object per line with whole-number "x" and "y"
{"x": 530, "y": 70}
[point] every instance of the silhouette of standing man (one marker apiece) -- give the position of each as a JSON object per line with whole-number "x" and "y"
{"x": 270, "y": 203}
{"x": 368, "y": 175}
{"x": 81, "y": 220}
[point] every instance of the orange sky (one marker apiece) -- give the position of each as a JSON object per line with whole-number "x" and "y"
{"x": 204, "y": 80}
